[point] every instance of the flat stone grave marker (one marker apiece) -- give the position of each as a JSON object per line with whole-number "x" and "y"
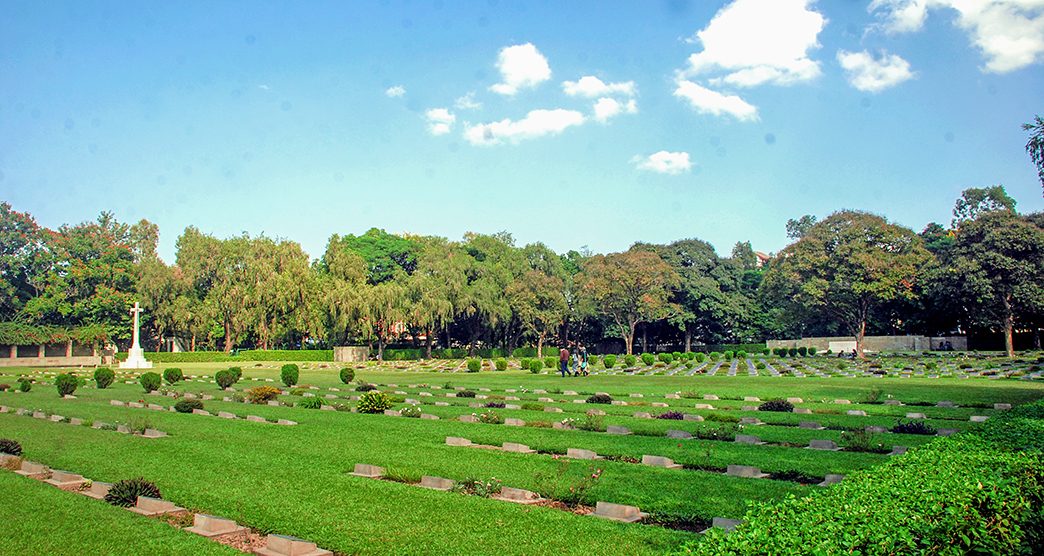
{"x": 672, "y": 397}
{"x": 823, "y": 445}
{"x": 56, "y": 418}
{"x": 538, "y": 391}
{"x": 750, "y": 421}
{"x": 893, "y": 402}
{"x": 875, "y": 429}
{"x": 39, "y": 415}
{"x": 286, "y": 422}
{"x": 1001, "y": 406}
{"x": 618, "y": 512}
{"x": 368, "y": 471}
{"x": 457, "y": 441}
{"x": 436, "y": 483}
{"x": 517, "y": 448}
{"x": 577, "y": 453}
{"x": 703, "y": 406}
{"x": 569, "y": 393}
{"x": 803, "y": 410}
{"x": 723, "y": 523}
{"x": 691, "y": 417}
{"x": 636, "y": 395}
{"x": 153, "y": 433}
{"x": 831, "y": 479}
{"x": 613, "y": 429}
{"x": 157, "y": 407}
{"x": 947, "y": 432}
{"x": 75, "y": 421}
{"x": 99, "y": 424}
{"x": 795, "y": 400}
{"x": 226, "y": 415}
{"x": 154, "y": 506}
{"x": 65, "y": 480}
{"x": 595, "y": 412}
{"x": 212, "y": 526}
{"x": 514, "y": 422}
{"x": 621, "y": 402}
{"x": 642, "y": 415}
{"x": 856, "y": 412}
{"x": 751, "y": 399}
{"x": 562, "y": 426}
{"x": 124, "y": 429}
{"x": 511, "y": 398}
{"x": 748, "y": 439}
{"x": 512, "y": 406}
{"x": 915, "y": 416}
{"x": 659, "y": 404}
{"x": 660, "y": 461}
{"x": 256, "y": 419}
{"x": 710, "y": 397}
{"x": 745, "y": 471}
{"x": 546, "y": 400}
{"x": 424, "y": 394}
{"x": 810, "y": 425}
{"x": 283, "y": 545}
{"x": 843, "y": 402}
{"x": 441, "y": 404}
{"x": 517, "y": 495}
{"x": 898, "y": 450}
{"x": 274, "y": 403}
{"x": 392, "y": 412}
{"x": 978, "y": 418}
{"x": 98, "y": 490}
{"x": 945, "y": 403}
{"x": 200, "y": 412}
{"x": 553, "y": 409}
{"x": 679, "y": 435}
{"x": 749, "y": 408}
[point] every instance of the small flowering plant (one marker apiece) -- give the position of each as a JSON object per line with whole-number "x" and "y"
{"x": 490, "y": 417}
{"x": 411, "y": 411}
{"x": 478, "y": 487}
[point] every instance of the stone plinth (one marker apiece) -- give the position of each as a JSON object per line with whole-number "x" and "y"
{"x": 831, "y": 479}
{"x": 750, "y": 421}
{"x": 518, "y": 496}
{"x": 467, "y": 419}
{"x": 153, "y": 433}
{"x": 660, "y": 461}
{"x": 856, "y": 412}
{"x": 65, "y": 480}
{"x": 978, "y": 418}
{"x": 517, "y": 448}
{"x": 803, "y": 410}
{"x": 679, "y": 435}
{"x": 212, "y": 526}
{"x": 745, "y": 471}
{"x": 226, "y": 415}
{"x": 748, "y": 439}
{"x": 457, "y": 441}
{"x": 722, "y": 523}
{"x": 577, "y": 453}
{"x": 514, "y": 422}
{"x": 98, "y": 490}
{"x": 154, "y": 506}
{"x": 795, "y": 400}
{"x": 618, "y": 512}
{"x": 642, "y": 415}
{"x": 1002, "y": 406}
{"x": 613, "y": 429}
{"x": 283, "y": 545}
{"x": 810, "y": 425}
{"x": 34, "y": 470}
{"x": 691, "y": 417}
{"x": 436, "y": 483}
{"x": 368, "y": 471}
{"x": 915, "y": 416}
{"x": 823, "y": 445}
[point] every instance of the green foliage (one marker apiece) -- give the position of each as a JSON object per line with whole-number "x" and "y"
{"x": 373, "y": 401}
{"x": 24, "y": 385}
{"x": 600, "y": 399}
{"x": 484, "y": 488}
{"x": 125, "y": 493}
{"x": 609, "y": 361}
{"x": 500, "y": 364}
{"x": 10, "y": 447}
{"x": 811, "y": 350}
{"x": 591, "y": 422}
{"x": 630, "y": 360}
{"x": 103, "y": 377}
{"x": 728, "y": 355}
{"x": 365, "y": 387}
{"x": 802, "y": 351}
{"x": 262, "y": 394}
{"x": 490, "y": 417}
{"x": 648, "y": 359}
{"x": 173, "y": 376}
{"x": 465, "y": 394}
{"x": 714, "y": 356}
{"x": 289, "y": 374}
{"x": 309, "y": 403}
{"x": 237, "y": 374}
{"x": 792, "y": 352}
{"x": 347, "y": 375}
{"x": 700, "y": 357}
{"x": 524, "y": 363}
{"x": 150, "y": 381}
{"x": 550, "y": 362}
{"x": 474, "y": 365}
{"x": 741, "y": 354}
{"x": 410, "y": 411}
{"x": 532, "y": 406}
{"x": 913, "y": 427}
{"x": 535, "y": 366}
{"x": 186, "y": 406}
{"x": 665, "y": 358}
{"x": 224, "y": 379}
{"x": 66, "y": 384}
{"x": 861, "y": 441}
{"x": 777, "y": 405}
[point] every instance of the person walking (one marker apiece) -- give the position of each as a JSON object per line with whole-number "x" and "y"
{"x": 583, "y": 360}
{"x": 563, "y": 361}
{"x": 574, "y": 363}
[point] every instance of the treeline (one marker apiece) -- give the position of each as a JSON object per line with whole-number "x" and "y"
{"x": 852, "y": 273}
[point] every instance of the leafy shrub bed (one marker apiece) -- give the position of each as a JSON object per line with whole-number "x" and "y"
{"x": 125, "y": 493}
{"x": 173, "y": 376}
{"x": 243, "y": 355}
{"x": 10, "y": 447}
{"x": 972, "y": 493}
{"x": 373, "y": 402}
{"x": 186, "y": 406}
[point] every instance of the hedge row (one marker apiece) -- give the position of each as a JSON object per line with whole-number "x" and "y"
{"x": 245, "y": 355}
{"x": 980, "y": 492}
{"x": 749, "y": 348}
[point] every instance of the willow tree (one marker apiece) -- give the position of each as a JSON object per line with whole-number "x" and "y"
{"x": 845, "y": 267}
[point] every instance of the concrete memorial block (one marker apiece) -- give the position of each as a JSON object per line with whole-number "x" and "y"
{"x": 946, "y": 432}
{"x": 553, "y": 409}
{"x": 945, "y": 403}
{"x": 703, "y": 406}
{"x": 710, "y": 397}
{"x": 283, "y": 545}
{"x": 212, "y": 526}
{"x": 636, "y": 395}
{"x": 898, "y": 450}
{"x": 116, "y": 402}
{"x": 722, "y": 523}
{"x": 619, "y": 402}
{"x": 153, "y": 433}
{"x": 613, "y": 429}
{"x": 200, "y": 412}
{"x": 57, "y": 418}
{"x": 915, "y": 416}
{"x": 368, "y": 471}
{"x": 518, "y": 496}
{"x": 511, "y": 398}
{"x": 75, "y": 421}
{"x": 672, "y": 397}
{"x": 856, "y": 412}
{"x": 327, "y": 408}
{"x": 659, "y": 404}
{"x": 154, "y": 506}
{"x": 39, "y": 415}
{"x": 748, "y": 439}
{"x": 660, "y": 461}
{"x": 442, "y": 404}
{"x": 392, "y": 413}
{"x": 893, "y": 402}
{"x": 691, "y": 417}
{"x": 467, "y": 419}
{"x": 135, "y": 405}
{"x": 1001, "y": 406}
{"x": 978, "y": 418}
{"x": 514, "y": 422}
{"x": 286, "y": 422}
{"x": 831, "y": 479}
{"x": 810, "y": 425}
{"x": 436, "y": 483}
{"x": 577, "y": 453}
{"x": 226, "y": 415}
{"x": 545, "y": 400}
{"x": 642, "y": 415}
{"x": 99, "y": 425}
{"x": 679, "y": 435}
{"x": 517, "y": 448}
{"x": 256, "y": 419}
{"x": 823, "y": 445}
{"x": 595, "y": 412}
{"x": 274, "y": 403}
{"x": 750, "y": 421}
{"x": 745, "y": 471}
{"x": 618, "y": 512}
{"x": 98, "y": 490}
{"x": 843, "y": 402}
{"x": 795, "y": 400}
{"x": 751, "y": 399}
{"x": 476, "y": 405}
{"x": 156, "y": 407}
{"x": 65, "y": 480}
{"x": 124, "y": 429}
{"x": 803, "y": 411}
{"x": 512, "y": 406}
{"x": 875, "y": 429}
{"x": 424, "y": 394}
{"x": 457, "y": 441}
{"x": 749, "y": 408}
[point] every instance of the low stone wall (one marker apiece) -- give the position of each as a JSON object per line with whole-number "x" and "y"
{"x": 75, "y": 361}
{"x": 878, "y": 343}
{"x": 351, "y": 354}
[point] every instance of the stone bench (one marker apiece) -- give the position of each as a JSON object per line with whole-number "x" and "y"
{"x": 154, "y": 506}
{"x": 831, "y": 479}
{"x": 618, "y": 512}
{"x": 98, "y": 490}
{"x": 517, "y": 495}
{"x": 823, "y": 445}
{"x": 65, "y": 480}
{"x": 368, "y": 471}
{"x": 436, "y": 483}
{"x": 517, "y": 448}
{"x": 577, "y": 453}
{"x": 660, "y": 461}
{"x": 283, "y": 545}
{"x": 212, "y": 526}
{"x": 745, "y": 471}
{"x": 34, "y": 470}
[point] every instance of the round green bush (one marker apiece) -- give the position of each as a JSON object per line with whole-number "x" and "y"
{"x": 224, "y": 379}
{"x": 535, "y": 366}
{"x": 347, "y": 375}
{"x": 150, "y": 381}
{"x": 802, "y": 351}
{"x": 550, "y": 362}
{"x": 173, "y": 376}
{"x": 24, "y": 385}
{"x": 500, "y": 364}
{"x": 700, "y": 357}
{"x": 66, "y": 384}
{"x": 289, "y": 374}
{"x": 811, "y": 350}
{"x": 781, "y": 406}
{"x": 373, "y": 401}
{"x": 103, "y": 377}
{"x": 186, "y": 406}
{"x": 676, "y": 355}
{"x": 125, "y": 493}
{"x": 714, "y": 356}
{"x": 666, "y": 358}
{"x": 410, "y": 411}
{"x": 10, "y": 447}
{"x": 237, "y": 373}
{"x": 728, "y": 355}
{"x": 648, "y": 359}
{"x": 792, "y": 352}
{"x": 310, "y": 403}
{"x": 630, "y": 360}
{"x": 465, "y": 394}
{"x": 474, "y": 365}
{"x": 600, "y": 398}
{"x": 609, "y": 361}
{"x": 741, "y": 354}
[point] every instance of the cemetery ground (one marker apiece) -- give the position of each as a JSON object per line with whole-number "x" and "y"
{"x": 296, "y": 479}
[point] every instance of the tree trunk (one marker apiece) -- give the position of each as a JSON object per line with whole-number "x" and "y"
{"x": 629, "y": 339}
{"x": 428, "y": 342}
{"x": 645, "y": 339}
{"x": 193, "y": 342}
{"x": 1036, "y": 338}
{"x": 540, "y": 345}
{"x": 688, "y": 341}
{"x": 1009, "y": 325}
{"x": 228, "y": 337}
{"x": 380, "y": 346}
{"x": 859, "y": 339}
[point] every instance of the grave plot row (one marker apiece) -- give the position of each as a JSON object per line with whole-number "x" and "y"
{"x": 77, "y": 421}
{"x": 220, "y": 414}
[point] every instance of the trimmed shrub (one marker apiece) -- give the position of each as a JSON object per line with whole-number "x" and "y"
{"x": 103, "y": 377}
{"x": 648, "y": 359}
{"x": 677, "y": 355}
{"x": 24, "y": 385}
{"x": 373, "y": 402}
{"x": 741, "y": 355}
{"x": 309, "y": 403}
{"x": 913, "y": 427}
{"x": 630, "y": 360}
{"x": 524, "y": 363}
{"x": 600, "y": 398}
{"x": 173, "y": 376}
{"x": 550, "y": 362}
{"x": 347, "y": 375}
{"x": 262, "y": 394}
{"x": 760, "y": 365}
{"x": 289, "y": 374}
{"x": 237, "y": 373}
{"x": 150, "y": 382}
{"x": 186, "y": 406}
{"x": 609, "y": 361}
{"x": 672, "y": 415}
{"x": 224, "y": 379}
{"x": 500, "y": 364}
{"x": 10, "y": 447}
{"x": 792, "y": 352}
{"x": 728, "y": 355}
{"x": 782, "y": 406}
{"x": 411, "y": 411}
{"x": 474, "y": 365}
{"x": 535, "y": 366}
{"x": 465, "y": 394}
{"x": 700, "y": 357}
{"x": 714, "y": 356}
{"x": 665, "y": 357}
{"x": 490, "y": 417}
{"x": 495, "y": 405}
{"x": 531, "y": 406}
{"x": 125, "y": 493}
{"x": 802, "y": 351}
{"x": 365, "y": 387}
{"x": 66, "y": 384}
{"x": 811, "y": 350}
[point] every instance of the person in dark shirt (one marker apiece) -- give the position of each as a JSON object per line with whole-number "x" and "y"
{"x": 563, "y": 361}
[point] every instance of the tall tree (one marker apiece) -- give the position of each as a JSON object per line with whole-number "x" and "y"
{"x": 24, "y": 260}
{"x": 539, "y": 300}
{"x": 1035, "y": 145}
{"x": 796, "y": 229}
{"x": 845, "y": 267}
{"x": 437, "y": 287}
{"x": 978, "y": 200}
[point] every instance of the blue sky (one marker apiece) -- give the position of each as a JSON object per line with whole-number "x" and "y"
{"x": 716, "y": 120}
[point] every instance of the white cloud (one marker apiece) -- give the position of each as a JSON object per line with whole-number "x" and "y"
{"x": 537, "y": 123}
{"x": 467, "y": 102}
{"x": 395, "y": 91}
{"x": 664, "y": 162}
{"x": 590, "y": 86}
{"x": 707, "y": 101}
{"x": 440, "y": 121}
{"x": 521, "y": 66}
{"x": 755, "y": 42}
{"x": 873, "y": 75}
{"x": 1009, "y": 33}
{"x": 264, "y": 87}
{"x": 606, "y": 108}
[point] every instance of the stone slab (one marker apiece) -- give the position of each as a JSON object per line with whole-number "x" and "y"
{"x": 748, "y": 439}
{"x": 817, "y": 444}
{"x": 212, "y": 526}
{"x": 517, "y": 448}
{"x": 679, "y": 435}
{"x": 618, "y": 512}
{"x": 613, "y": 429}
{"x": 518, "y": 496}
{"x": 436, "y": 483}
{"x": 457, "y": 441}
{"x": 368, "y": 471}
{"x": 660, "y": 461}
{"x": 831, "y": 479}
{"x": 745, "y": 471}
{"x": 154, "y": 506}
{"x": 283, "y": 545}
{"x": 578, "y": 453}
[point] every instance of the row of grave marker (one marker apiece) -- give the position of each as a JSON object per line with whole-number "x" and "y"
{"x": 76, "y": 421}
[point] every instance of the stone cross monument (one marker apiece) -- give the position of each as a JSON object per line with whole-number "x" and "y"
{"x": 136, "y": 355}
